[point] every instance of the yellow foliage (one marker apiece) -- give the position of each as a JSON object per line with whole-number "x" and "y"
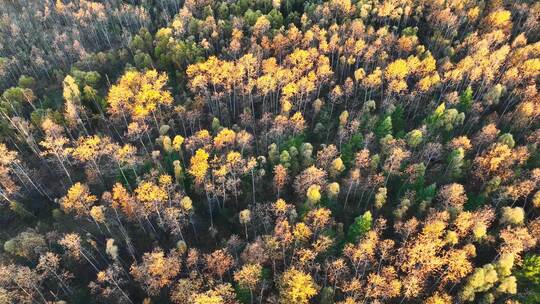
{"x": 374, "y": 79}
{"x": 302, "y": 232}
{"x": 138, "y": 94}
{"x": 87, "y": 148}
{"x": 122, "y": 199}
{"x": 199, "y": 165}
{"x": 148, "y": 192}
{"x": 249, "y": 276}
{"x": 177, "y": 142}
{"x": 296, "y": 287}
{"x": 78, "y": 200}
{"x": 500, "y": 19}
{"x": 397, "y": 70}
{"x": 314, "y": 194}
{"x": 224, "y": 138}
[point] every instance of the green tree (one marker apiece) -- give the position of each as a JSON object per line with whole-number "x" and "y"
{"x": 528, "y": 276}
{"x": 384, "y": 127}
{"x": 362, "y": 224}
{"x": 466, "y": 100}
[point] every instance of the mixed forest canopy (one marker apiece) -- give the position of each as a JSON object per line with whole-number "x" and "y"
{"x": 269, "y": 151}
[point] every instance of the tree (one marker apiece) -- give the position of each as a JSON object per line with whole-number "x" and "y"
{"x": 219, "y": 262}
{"x": 313, "y": 194}
{"x": 528, "y": 276}
{"x": 359, "y": 227}
{"x": 512, "y": 216}
{"x": 380, "y": 197}
{"x": 199, "y": 165}
{"x": 439, "y": 298}
{"x": 55, "y": 144}
{"x": 245, "y": 218}
{"x": 78, "y": 200}
{"x": 296, "y": 287}
{"x": 280, "y": 177}
{"x": 138, "y": 95}
{"x": 466, "y": 99}
{"x": 249, "y": 276}
{"x": 481, "y": 280}
{"x": 308, "y": 177}
{"x": 8, "y": 163}
{"x": 384, "y": 127}
{"x": 72, "y": 97}
{"x": 453, "y": 196}
{"x": 332, "y": 190}
{"x": 224, "y": 138}
{"x": 156, "y": 270}
{"x": 414, "y": 138}
{"x": 27, "y": 244}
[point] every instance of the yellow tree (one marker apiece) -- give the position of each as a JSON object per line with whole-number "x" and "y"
{"x": 249, "y": 277}
{"x": 224, "y": 138}
{"x": 138, "y": 95}
{"x": 91, "y": 149}
{"x": 396, "y": 73}
{"x": 151, "y": 195}
{"x": 78, "y": 200}
{"x": 296, "y": 287}
{"x": 199, "y": 165}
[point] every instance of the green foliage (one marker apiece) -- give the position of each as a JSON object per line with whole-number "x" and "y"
{"x": 349, "y": 149}
{"x": 528, "y": 275}
{"x": 142, "y": 60}
{"x": 466, "y": 99}
{"x": 474, "y": 201}
{"x": 27, "y": 244}
{"x": 285, "y": 159}
{"x": 507, "y": 139}
{"x": 414, "y": 138}
{"x": 276, "y": 18}
{"x": 530, "y": 270}
{"x": 39, "y": 115}
{"x": 456, "y": 162}
{"x": 27, "y": 82}
{"x": 82, "y": 78}
{"x": 427, "y": 193}
{"x": 359, "y": 227}
{"x": 252, "y": 16}
{"x": 12, "y": 100}
{"x": 178, "y": 53}
{"x": 242, "y": 294}
{"x": 19, "y": 209}
{"x": 445, "y": 119}
{"x": 398, "y": 121}
{"x": 384, "y": 127}
{"x": 326, "y": 295}
{"x": 142, "y": 41}
{"x": 293, "y": 141}
{"x": 273, "y": 154}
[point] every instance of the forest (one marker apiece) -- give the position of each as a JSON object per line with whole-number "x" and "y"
{"x": 269, "y": 151}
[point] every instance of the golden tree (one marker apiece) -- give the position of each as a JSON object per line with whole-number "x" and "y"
{"x": 296, "y": 287}
{"x": 199, "y": 165}
{"x": 156, "y": 270}
{"x": 78, "y": 200}
{"x": 138, "y": 95}
{"x": 249, "y": 276}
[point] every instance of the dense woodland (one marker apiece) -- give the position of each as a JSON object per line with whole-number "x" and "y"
{"x": 270, "y": 151}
